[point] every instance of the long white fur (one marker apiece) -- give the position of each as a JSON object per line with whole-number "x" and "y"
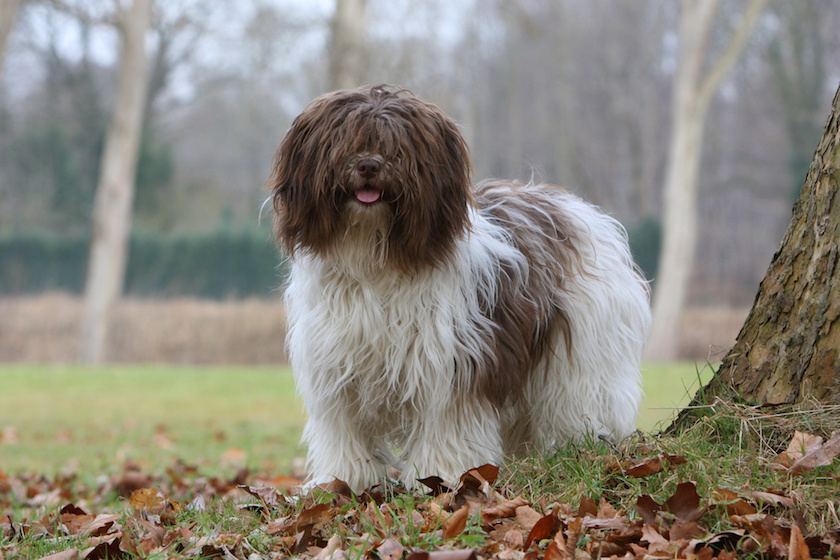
{"x": 375, "y": 352}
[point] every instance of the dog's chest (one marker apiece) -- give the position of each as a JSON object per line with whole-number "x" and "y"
{"x": 385, "y": 340}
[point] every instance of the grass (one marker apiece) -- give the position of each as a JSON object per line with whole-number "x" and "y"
{"x": 89, "y": 419}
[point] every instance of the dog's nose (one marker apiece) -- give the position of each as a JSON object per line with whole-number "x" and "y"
{"x": 368, "y": 168}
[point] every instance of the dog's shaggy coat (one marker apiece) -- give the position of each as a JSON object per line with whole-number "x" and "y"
{"x": 435, "y": 325}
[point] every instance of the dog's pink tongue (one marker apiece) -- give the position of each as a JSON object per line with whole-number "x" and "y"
{"x": 367, "y": 196}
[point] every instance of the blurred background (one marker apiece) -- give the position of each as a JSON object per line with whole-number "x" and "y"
{"x": 587, "y": 94}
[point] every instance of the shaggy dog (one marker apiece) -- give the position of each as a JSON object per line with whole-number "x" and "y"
{"x": 435, "y": 325}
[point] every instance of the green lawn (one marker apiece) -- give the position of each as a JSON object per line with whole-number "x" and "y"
{"x": 77, "y": 418}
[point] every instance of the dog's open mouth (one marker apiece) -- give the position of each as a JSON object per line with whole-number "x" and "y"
{"x": 368, "y": 195}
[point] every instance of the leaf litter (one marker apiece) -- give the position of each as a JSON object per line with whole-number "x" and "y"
{"x": 181, "y": 514}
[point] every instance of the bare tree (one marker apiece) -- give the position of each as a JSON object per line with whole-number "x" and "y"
{"x": 693, "y": 89}
{"x": 115, "y": 190}
{"x": 8, "y": 12}
{"x": 348, "y": 50}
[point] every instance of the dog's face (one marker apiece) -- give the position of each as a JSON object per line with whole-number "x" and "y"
{"x": 376, "y": 166}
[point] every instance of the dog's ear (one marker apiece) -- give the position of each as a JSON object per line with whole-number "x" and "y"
{"x": 437, "y": 188}
{"x": 300, "y": 183}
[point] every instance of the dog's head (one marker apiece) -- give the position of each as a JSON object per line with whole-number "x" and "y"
{"x": 377, "y": 168}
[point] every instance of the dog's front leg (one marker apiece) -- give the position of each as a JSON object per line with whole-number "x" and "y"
{"x": 339, "y": 448}
{"x": 449, "y": 440}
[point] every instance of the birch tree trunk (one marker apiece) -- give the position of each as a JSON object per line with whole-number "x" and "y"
{"x": 693, "y": 90}
{"x": 115, "y": 190}
{"x": 8, "y": 13}
{"x": 348, "y": 50}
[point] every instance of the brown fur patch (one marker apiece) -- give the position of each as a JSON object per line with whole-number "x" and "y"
{"x": 527, "y": 316}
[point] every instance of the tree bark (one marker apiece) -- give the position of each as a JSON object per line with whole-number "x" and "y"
{"x": 693, "y": 91}
{"x": 115, "y": 191}
{"x": 348, "y": 51}
{"x": 789, "y": 346}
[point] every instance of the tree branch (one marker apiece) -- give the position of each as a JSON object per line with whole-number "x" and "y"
{"x": 724, "y": 63}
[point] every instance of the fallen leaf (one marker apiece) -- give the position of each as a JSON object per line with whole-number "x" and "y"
{"x": 798, "y": 549}
{"x": 732, "y": 502}
{"x": 100, "y": 525}
{"x": 802, "y": 444}
{"x": 556, "y": 549}
{"x": 820, "y": 457}
{"x": 675, "y": 459}
{"x": 587, "y": 507}
{"x": 656, "y": 542}
{"x": 503, "y": 510}
{"x": 514, "y": 539}
{"x": 435, "y": 484}
{"x": 543, "y": 529}
{"x": 685, "y": 530}
{"x": 390, "y": 549}
{"x": 685, "y": 503}
{"x": 648, "y": 509}
{"x": 772, "y": 499}
{"x": 456, "y": 523}
{"x": 314, "y": 515}
{"x": 147, "y": 500}
{"x": 266, "y": 494}
{"x": 527, "y": 517}
{"x": 645, "y": 468}
{"x": 69, "y": 554}
{"x": 332, "y": 549}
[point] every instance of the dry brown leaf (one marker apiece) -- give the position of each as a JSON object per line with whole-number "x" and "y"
{"x": 732, "y": 502}
{"x": 820, "y": 457}
{"x": 148, "y": 500}
{"x": 332, "y": 550}
{"x": 644, "y": 468}
{"x": 545, "y": 528}
{"x": 100, "y": 525}
{"x": 69, "y": 554}
{"x": 527, "y": 517}
{"x": 587, "y": 507}
{"x": 802, "y": 444}
{"x": 503, "y": 510}
{"x": 648, "y": 509}
{"x": 390, "y": 549}
{"x": 556, "y": 549}
{"x": 773, "y": 499}
{"x": 456, "y": 523}
{"x": 685, "y": 530}
{"x": 514, "y": 539}
{"x": 798, "y": 549}
{"x": 311, "y": 516}
{"x": 656, "y": 542}
{"x": 266, "y": 494}
{"x": 685, "y": 503}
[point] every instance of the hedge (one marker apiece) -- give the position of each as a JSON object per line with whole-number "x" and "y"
{"x": 218, "y": 264}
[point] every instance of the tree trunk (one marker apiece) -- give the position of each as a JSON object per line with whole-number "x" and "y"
{"x": 692, "y": 93}
{"x": 789, "y": 346}
{"x": 8, "y": 12}
{"x": 348, "y": 51}
{"x": 115, "y": 190}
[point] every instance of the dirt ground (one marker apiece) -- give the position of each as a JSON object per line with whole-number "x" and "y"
{"x": 45, "y": 328}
